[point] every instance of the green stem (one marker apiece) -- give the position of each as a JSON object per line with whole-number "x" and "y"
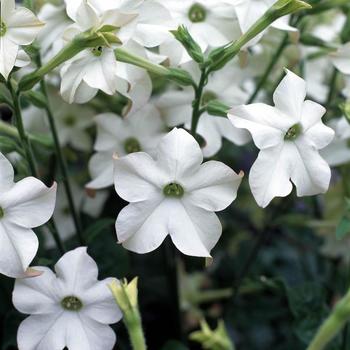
{"x": 332, "y": 325}
{"x": 332, "y": 88}
{"x": 62, "y": 163}
{"x": 30, "y": 157}
{"x": 275, "y": 58}
{"x": 196, "y": 113}
{"x": 11, "y": 131}
{"x": 133, "y": 323}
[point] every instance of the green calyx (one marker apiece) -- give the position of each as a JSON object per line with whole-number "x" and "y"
{"x": 1, "y": 213}
{"x": 173, "y": 190}
{"x": 208, "y": 96}
{"x": 293, "y": 132}
{"x": 97, "y": 51}
{"x": 197, "y": 13}
{"x": 132, "y": 145}
{"x": 3, "y": 28}
{"x": 71, "y": 303}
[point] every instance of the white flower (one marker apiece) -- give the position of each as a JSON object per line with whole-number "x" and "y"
{"x": 173, "y": 194}
{"x": 17, "y": 27}
{"x": 23, "y": 206}
{"x": 338, "y": 151}
{"x": 92, "y": 69}
{"x": 289, "y": 136}
{"x": 51, "y": 37}
{"x": 341, "y": 58}
{"x": 224, "y": 85}
{"x": 210, "y": 22}
{"x": 72, "y": 122}
{"x": 137, "y": 131}
{"x": 68, "y": 309}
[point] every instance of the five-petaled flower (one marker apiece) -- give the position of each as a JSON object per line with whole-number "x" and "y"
{"x": 68, "y": 309}
{"x": 17, "y": 27}
{"x": 289, "y": 136}
{"x": 173, "y": 194}
{"x": 23, "y": 205}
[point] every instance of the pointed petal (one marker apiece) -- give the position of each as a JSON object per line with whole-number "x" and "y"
{"x": 18, "y": 247}
{"x": 193, "y": 230}
{"x": 37, "y": 295}
{"x": 341, "y": 58}
{"x": 29, "y": 203}
{"x": 8, "y": 55}
{"x": 137, "y": 178}
{"x": 6, "y": 174}
{"x": 179, "y": 154}
{"x": 269, "y": 176}
{"x": 214, "y": 187}
{"x": 142, "y": 226}
{"x": 289, "y": 96}
{"x": 266, "y": 124}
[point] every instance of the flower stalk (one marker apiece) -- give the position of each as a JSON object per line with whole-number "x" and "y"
{"x": 125, "y": 295}
{"x": 221, "y": 56}
{"x": 332, "y": 325}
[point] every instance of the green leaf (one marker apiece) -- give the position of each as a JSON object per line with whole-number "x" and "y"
{"x": 36, "y": 98}
{"x": 343, "y": 228}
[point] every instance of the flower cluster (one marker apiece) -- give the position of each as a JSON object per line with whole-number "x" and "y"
{"x": 148, "y": 95}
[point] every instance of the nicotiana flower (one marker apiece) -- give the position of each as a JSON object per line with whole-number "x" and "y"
{"x": 137, "y": 131}
{"x": 23, "y": 206}
{"x": 69, "y": 308}
{"x": 18, "y": 26}
{"x": 338, "y": 151}
{"x": 225, "y": 85}
{"x": 72, "y": 122}
{"x": 211, "y": 23}
{"x": 289, "y": 136}
{"x": 92, "y": 69}
{"x": 173, "y": 194}
{"x": 51, "y": 37}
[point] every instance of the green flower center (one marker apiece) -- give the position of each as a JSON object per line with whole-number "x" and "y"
{"x": 173, "y": 190}
{"x": 208, "y": 96}
{"x": 132, "y": 145}
{"x": 97, "y": 51}
{"x": 71, "y": 303}
{"x": 69, "y": 120}
{"x": 1, "y": 213}
{"x": 197, "y": 13}
{"x": 3, "y": 28}
{"x": 293, "y": 132}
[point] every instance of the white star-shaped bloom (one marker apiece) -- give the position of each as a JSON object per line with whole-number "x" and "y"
{"x": 69, "y": 308}
{"x": 18, "y": 27}
{"x": 173, "y": 194}
{"x": 289, "y": 136}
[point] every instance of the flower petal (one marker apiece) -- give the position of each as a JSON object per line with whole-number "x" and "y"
{"x": 266, "y": 124}
{"x": 137, "y": 178}
{"x": 23, "y": 26}
{"x": 29, "y": 203}
{"x": 101, "y": 170}
{"x": 76, "y": 272}
{"x": 37, "y": 295}
{"x": 341, "y": 59}
{"x": 6, "y": 7}
{"x": 99, "y": 303}
{"x": 8, "y": 55}
{"x": 179, "y": 154}
{"x": 142, "y": 226}
{"x": 18, "y": 247}
{"x": 289, "y": 96}
{"x": 214, "y": 187}
{"x": 313, "y": 128}
{"x": 6, "y": 174}
{"x": 193, "y": 230}
{"x": 269, "y": 176}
